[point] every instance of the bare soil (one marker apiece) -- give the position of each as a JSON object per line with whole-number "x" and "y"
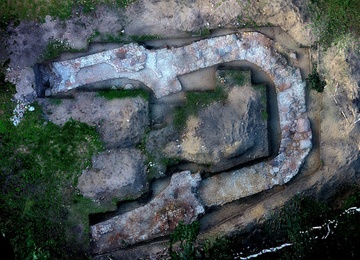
{"x": 334, "y": 159}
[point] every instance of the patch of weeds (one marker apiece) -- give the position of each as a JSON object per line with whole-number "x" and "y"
{"x": 39, "y": 166}
{"x": 203, "y": 32}
{"x": 55, "y": 48}
{"x": 264, "y": 114}
{"x": 121, "y": 94}
{"x": 152, "y": 167}
{"x": 38, "y": 9}
{"x": 124, "y": 3}
{"x": 166, "y": 161}
{"x": 186, "y": 235}
{"x": 247, "y": 22}
{"x": 194, "y": 102}
{"x": 315, "y": 81}
{"x": 236, "y": 77}
{"x": 143, "y": 38}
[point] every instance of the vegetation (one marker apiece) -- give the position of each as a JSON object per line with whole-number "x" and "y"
{"x": 333, "y": 19}
{"x": 38, "y": 9}
{"x": 261, "y": 88}
{"x": 291, "y": 223}
{"x": 186, "y": 235}
{"x": 195, "y": 101}
{"x": 55, "y": 48}
{"x": 236, "y": 77}
{"x": 143, "y": 38}
{"x": 121, "y": 94}
{"x": 314, "y": 80}
{"x": 41, "y": 211}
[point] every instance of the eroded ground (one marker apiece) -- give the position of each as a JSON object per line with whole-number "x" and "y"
{"x": 147, "y": 154}
{"x": 226, "y": 127}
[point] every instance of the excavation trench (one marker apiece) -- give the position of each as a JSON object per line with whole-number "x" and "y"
{"x": 203, "y": 80}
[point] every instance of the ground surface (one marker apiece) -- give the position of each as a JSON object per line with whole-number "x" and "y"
{"x": 334, "y": 158}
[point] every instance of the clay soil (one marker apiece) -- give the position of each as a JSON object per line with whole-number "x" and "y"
{"x": 334, "y": 159}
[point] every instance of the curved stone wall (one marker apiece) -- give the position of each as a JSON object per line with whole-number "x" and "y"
{"x": 159, "y": 69}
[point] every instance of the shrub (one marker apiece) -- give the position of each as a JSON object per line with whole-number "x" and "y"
{"x": 314, "y": 80}
{"x": 187, "y": 235}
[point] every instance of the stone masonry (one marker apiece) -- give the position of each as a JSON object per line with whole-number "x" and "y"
{"x": 158, "y": 69}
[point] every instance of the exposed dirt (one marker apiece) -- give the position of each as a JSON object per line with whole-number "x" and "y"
{"x": 334, "y": 159}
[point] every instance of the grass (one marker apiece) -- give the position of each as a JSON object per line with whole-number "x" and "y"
{"x": 333, "y": 19}
{"x": 301, "y": 213}
{"x": 143, "y": 38}
{"x": 236, "y": 77}
{"x": 121, "y": 94}
{"x": 38, "y": 9}
{"x": 40, "y": 208}
{"x": 194, "y": 102}
{"x": 55, "y": 48}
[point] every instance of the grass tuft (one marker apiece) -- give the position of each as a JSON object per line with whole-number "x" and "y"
{"x": 122, "y": 94}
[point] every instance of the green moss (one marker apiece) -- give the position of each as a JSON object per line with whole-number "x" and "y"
{"x": 121, "y": 94}
{"x": 194, "y": 102}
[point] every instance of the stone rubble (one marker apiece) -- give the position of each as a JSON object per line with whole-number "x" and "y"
{"x": 178, "y": 202}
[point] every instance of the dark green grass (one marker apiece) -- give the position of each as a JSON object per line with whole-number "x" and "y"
{"x": 335, "y": 18}
{"x": 314, "y": 80}
{"x": 121, "y": 94}
{"x": 284, "y": 226}
{"x": 40, "y": 208}
{"x": 12, "y": 10}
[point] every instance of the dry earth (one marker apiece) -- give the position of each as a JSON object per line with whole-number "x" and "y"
{"x": 334, "y": 159}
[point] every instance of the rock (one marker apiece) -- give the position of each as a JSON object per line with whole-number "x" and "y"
{"x": 48, "y": 93}
{"x": 225, "y": 134}
{"x": 120, "y": 122}
{"x": 225, "y": 187}
{"x": 116, "y": 174}
{"x": 178, "y": 202}
{"x": 159, "y": 69}
{"x": 303, "y": 125}
{"x": 293, "y": 56}
{"x": 305, "y": 144}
